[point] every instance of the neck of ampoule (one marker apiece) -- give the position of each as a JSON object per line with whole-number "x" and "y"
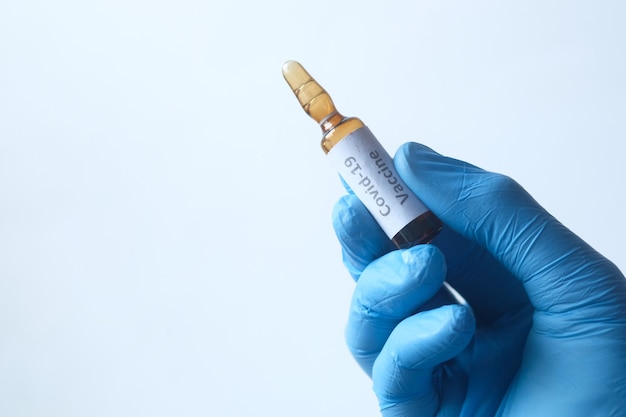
{"x": 331, "y": 121}
{"x": 336, "y": 127}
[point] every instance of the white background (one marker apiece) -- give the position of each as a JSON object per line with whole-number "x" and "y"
{"x": 165, "y": 238}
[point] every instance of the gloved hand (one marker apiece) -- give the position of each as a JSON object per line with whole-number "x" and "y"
{"x": 543, "y": 332}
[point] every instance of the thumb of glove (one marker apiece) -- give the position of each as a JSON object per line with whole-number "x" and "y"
{"x": 559, "y": 271}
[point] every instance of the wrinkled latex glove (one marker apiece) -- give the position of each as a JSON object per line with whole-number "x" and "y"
{"x": 543, "y": 332}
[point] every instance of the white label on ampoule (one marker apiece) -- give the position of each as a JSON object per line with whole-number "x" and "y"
{"x": 369, "y": 171}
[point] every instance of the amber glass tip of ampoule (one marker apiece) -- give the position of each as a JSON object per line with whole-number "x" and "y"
{"x": 295, "y": 74}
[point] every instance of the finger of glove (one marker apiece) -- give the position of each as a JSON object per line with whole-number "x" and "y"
{"x": 361, "y": 238}
{"x": 390, "y": 289}
{"x": 556, "y": 267}
{"x": 404, "y": 376}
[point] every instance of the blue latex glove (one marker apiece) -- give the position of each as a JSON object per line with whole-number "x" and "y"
{"x": 544, "y": 331}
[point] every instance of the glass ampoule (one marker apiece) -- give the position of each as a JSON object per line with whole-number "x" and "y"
{"x": 364, "y": 164}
